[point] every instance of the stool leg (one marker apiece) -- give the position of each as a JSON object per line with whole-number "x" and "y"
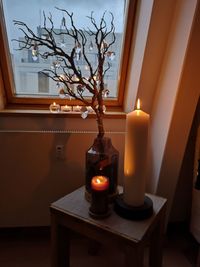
{"x": 60, "y": 245}
{"x": 94, "y": 247}
{"x": 134, "y": 257}
{"x": 156, "y": 245}
{"x": 198, "y": 259}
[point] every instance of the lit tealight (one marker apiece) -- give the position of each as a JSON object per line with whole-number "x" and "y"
{"x": 77, "y": 108}
{"x": 99, "y": 183}
{"x": 54, "y": 108}
{"x": 66, "y": 108}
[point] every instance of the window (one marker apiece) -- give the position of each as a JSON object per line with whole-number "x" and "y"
{"x": 24, "y": 82}
{"x": 43, "y": 83}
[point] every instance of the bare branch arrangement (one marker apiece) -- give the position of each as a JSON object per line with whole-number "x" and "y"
{"x": 64, "y": 70}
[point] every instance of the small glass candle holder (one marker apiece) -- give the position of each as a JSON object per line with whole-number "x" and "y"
{"x": 76, "y": 108}
{"x": 66, "y": 108}
{"x": 99, "y": 197}
{"x": 54, "y": 108}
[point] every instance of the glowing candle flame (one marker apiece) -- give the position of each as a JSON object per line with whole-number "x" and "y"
{"x": 138, "y": 103}
{"x": 99, "y": 183}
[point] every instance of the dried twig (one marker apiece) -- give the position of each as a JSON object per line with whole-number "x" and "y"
{"x": 69, "y": 73}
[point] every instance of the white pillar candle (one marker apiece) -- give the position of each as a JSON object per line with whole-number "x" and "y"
{"x": 136, "y": 148}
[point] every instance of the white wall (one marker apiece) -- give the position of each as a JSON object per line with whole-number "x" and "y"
{"x": 30, "y": 175}
{"x": 175, "y": 103}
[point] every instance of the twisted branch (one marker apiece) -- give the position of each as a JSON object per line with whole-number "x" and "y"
{"x": 68, "y": 67}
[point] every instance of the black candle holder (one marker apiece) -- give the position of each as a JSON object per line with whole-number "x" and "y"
{"x": 133, "y": 213}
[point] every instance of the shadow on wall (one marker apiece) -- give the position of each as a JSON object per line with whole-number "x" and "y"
{"x": 32, "y": 177}
{"x": 64, "y": 175}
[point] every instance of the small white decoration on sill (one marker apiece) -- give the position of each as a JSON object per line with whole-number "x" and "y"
{"x": 84, "y": 114}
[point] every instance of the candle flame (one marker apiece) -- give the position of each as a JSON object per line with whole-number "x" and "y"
{"x": 138, "y": 103}
{"x": 98, "y": 181}
{"x": 54, "y": 103}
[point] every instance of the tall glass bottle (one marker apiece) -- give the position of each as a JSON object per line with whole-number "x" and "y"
{"x": 102, "y": 159}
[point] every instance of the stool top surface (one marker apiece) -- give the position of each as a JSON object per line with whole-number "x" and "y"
{"x": 75, "y": 205}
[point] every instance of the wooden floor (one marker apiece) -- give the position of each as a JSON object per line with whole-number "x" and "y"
{"x": 31, "y": 247}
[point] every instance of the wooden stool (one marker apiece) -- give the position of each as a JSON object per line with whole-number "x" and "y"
{"x": 70, "y": 213}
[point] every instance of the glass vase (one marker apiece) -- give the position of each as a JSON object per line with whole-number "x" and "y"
{"x": 102, "y": 159}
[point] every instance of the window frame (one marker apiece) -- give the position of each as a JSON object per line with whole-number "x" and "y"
{"x": 27, "y": 102}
